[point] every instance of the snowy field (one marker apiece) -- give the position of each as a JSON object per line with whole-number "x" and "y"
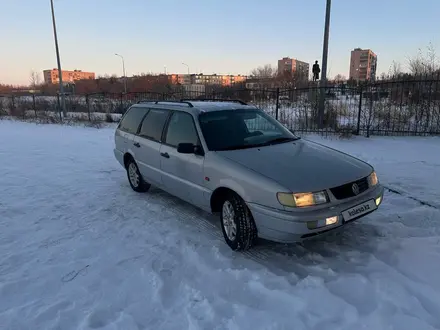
{"x": 81, "y": 250}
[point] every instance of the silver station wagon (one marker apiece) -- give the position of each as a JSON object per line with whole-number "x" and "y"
{"x": 233, "y": 159}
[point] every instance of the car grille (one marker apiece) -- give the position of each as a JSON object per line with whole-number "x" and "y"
{"x": 346, "y": 190}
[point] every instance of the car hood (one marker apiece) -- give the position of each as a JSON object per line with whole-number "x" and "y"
{"x": 301, "y": 166}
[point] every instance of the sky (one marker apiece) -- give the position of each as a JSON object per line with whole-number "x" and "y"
{"x": 210, "y": 36}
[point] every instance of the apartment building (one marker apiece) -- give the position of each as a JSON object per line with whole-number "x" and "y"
{"x": 288, "y": 65}
{"x": 363, "y": 64}
{"x": 179, "y": 79}
{"x": 52, "y": 76}
{"x": 202, "y": 79}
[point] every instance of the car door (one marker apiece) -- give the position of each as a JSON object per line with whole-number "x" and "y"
{"x": 147, "y": 145}
{"x": 182, "y": 174}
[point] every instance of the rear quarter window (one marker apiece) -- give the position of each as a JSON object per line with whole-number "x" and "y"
{"x": 153, "y": 124}
{"x": 132, "y": 119}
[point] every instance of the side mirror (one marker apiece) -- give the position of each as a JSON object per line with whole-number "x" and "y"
{"x": 189, "y": 148}
{"x": 185, "y": 148}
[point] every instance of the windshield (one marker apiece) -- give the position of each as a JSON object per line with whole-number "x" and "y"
{"x": 241, "y": 129}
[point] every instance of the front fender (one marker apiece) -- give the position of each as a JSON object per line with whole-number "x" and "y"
{"x": 233, "y": 185}
{"x": 248, "y": 184}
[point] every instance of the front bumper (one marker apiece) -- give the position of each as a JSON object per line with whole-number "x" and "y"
{"x": 291, "y": 226}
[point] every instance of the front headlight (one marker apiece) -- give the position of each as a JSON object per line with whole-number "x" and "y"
{"x": 302, "y": 199}
{"x": 372, "y": 179}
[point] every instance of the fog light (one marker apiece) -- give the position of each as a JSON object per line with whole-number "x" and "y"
{"x": 378, "y": 200}
{"x": 331, "y": 221}
{"x": 322, "y": 223}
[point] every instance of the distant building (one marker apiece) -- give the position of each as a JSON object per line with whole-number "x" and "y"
{"x": 363, "y": 64}
{"x": 206, "y": 79}
{"x": 261, "y": 83}
{"x": 52, "y": 76}
{"x": 194, "y": 90}
{"x": 292, "y": 66}
{"x": 181, "y": 79}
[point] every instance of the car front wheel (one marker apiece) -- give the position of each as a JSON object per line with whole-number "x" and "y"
{"x": 137, "y": 183}
{"x": 238, "y": 225}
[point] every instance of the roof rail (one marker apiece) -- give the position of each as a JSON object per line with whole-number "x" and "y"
{"x": 214, "y": 100}
{"x": 146, "y": 101}
{"x": 167, "y": 101}
{"x": 174, "y": 101}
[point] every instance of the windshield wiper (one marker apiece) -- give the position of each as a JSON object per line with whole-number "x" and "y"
{"x": 256, "y": 145}
{"x": 280, "y": 140}
{"x": 238, "y": 147}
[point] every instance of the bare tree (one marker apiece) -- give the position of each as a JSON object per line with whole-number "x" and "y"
{"x": 340, "y": 77}
{"x": 395, "y": 69}
{"x": 34, "y": 79}
{"x": 424, "y": 63}
{"x": 266, "y": 71}
{"x": 369, "y": 115}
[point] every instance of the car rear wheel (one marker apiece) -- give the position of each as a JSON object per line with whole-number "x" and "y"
{"x": 137, "y": 183}
{"x": 238, "y": 225}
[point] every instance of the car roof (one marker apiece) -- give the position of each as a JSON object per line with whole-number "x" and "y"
{"x": 196, "y": 106}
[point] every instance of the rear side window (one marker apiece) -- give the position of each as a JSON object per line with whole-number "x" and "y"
{"x": 153, "y": 124}
{"x": 132, "y": 119}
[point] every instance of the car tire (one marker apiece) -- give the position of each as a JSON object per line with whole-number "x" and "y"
{"x": 135, "y": 179}
{"x": 237, "y": 223}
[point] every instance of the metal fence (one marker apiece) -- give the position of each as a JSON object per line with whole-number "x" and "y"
{"x": 410, "y": 107}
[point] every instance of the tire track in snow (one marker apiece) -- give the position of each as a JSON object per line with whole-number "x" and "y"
{"x": 299, "y": 260}
{"x": 185, "y": 211}
{"x": 421, "y": 202}
{"x": 278, "y": 258}
{"x": 205, "y": 223}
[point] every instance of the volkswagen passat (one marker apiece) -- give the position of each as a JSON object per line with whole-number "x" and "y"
{"x": 233, "y": 159}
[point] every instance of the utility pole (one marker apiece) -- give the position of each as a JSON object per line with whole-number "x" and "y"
{"x": 123, "y": 72}
{"x": 60, "y": 73}
{"x": 323, "y": 83}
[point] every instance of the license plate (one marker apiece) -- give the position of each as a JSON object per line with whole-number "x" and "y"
{"x": 359, "y": 210}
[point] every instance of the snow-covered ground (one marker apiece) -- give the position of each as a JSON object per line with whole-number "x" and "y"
{"x": 80, "y": 250}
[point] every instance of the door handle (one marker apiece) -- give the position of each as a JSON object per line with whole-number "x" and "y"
{"x": 165, "y": 154}
{"x": 137, "y": 144}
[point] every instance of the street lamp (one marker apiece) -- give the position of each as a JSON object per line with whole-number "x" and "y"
{"x": 324, "y": 65}
{"x": 123, "y": 71}
{"x": 186, "y": 66}
{"x": 60, "y": 73}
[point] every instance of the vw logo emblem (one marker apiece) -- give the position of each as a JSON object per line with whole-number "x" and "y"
{"x": 355, "y": 189}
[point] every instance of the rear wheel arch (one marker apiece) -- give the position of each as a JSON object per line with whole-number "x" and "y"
{"x": 127, "y": 157}
{"x": 135, "y": 179}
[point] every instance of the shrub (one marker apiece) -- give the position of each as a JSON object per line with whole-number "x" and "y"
{"x": 109, "y": 118}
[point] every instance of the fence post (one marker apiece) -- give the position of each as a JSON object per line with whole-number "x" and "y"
{"x": 121, "y": 102}
{"x": 59, "y": 107}
{"x": 277, "y": 107}
{"x": 370, "y": 113}
{"x": 33, "y": 105}
{"x": 88, "y": 106}
{"x": 358, "y": 129}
